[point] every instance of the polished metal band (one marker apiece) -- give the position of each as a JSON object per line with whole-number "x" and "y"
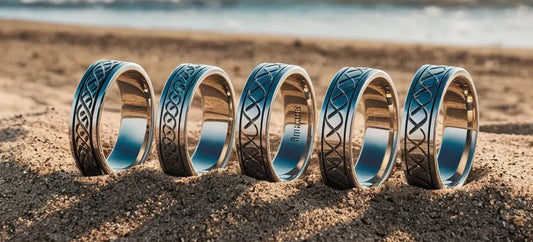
{"x": 440, "y": 126}
{"x": 135, "y": 135}
{"x": 216, "y": 139}
{"x": 349, "y": 161}
{"x": 298, "y": 98}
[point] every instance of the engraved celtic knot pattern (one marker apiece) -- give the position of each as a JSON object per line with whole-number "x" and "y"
{"x": 253, "y": 151}
{"x": 172, "y": 153}
{"x": 84, "y": 109}
{"x": 417, "y": 154}
{"x": 332, "y": 155}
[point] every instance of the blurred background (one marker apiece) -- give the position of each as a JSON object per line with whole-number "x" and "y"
{"x": 456, "y": 22}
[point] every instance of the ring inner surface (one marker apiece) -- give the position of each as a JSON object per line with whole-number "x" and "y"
{"x": 296, "y": 138}
{"x": 372, "y": 142}
{"x": 216, "y": 125}
{"x": 134, "y": 130}
{"x": 456, "y": 132}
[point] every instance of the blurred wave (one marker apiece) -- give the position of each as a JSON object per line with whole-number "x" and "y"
{"x": 151, "y": 4}
{"x": 414, "y": 21}
{"x": 175, "y": 4}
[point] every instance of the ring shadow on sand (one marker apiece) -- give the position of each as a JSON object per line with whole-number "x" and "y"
{"x": 139, "y": 190}
{"x": 508, "y": 128}
{"x": 478, "y": 215}
{"x": 170, "y": 208}
{"x": 10, "y": 134}
{"x": 206, "y": 208}
{"x": 24, "y": 194}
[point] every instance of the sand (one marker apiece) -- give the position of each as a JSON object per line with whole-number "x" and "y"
{"x": 44, "y": 197}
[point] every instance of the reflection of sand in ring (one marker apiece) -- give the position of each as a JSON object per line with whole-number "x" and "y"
{"x": 268, "y": 83}
{"x": 213, "y": 147}
{"x": 358, "y": 128}
{"x": 134, "y": 138}
{"x": 440, "y": 127}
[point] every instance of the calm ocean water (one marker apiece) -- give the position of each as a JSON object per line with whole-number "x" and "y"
{"x": 510, "y": 25}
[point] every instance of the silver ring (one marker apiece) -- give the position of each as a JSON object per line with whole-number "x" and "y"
{"x": 218, "y": 127}
{"x": 358, "y": 159}
{"x": 135, "y": 135}
{"x": 440, "y": 126}
{"x": 293, "y": 154}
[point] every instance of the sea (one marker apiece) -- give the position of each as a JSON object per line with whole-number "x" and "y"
{"x": 460, "y": 23}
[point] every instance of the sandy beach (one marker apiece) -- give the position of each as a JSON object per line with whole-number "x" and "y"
{"x": 44, "y": 197}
